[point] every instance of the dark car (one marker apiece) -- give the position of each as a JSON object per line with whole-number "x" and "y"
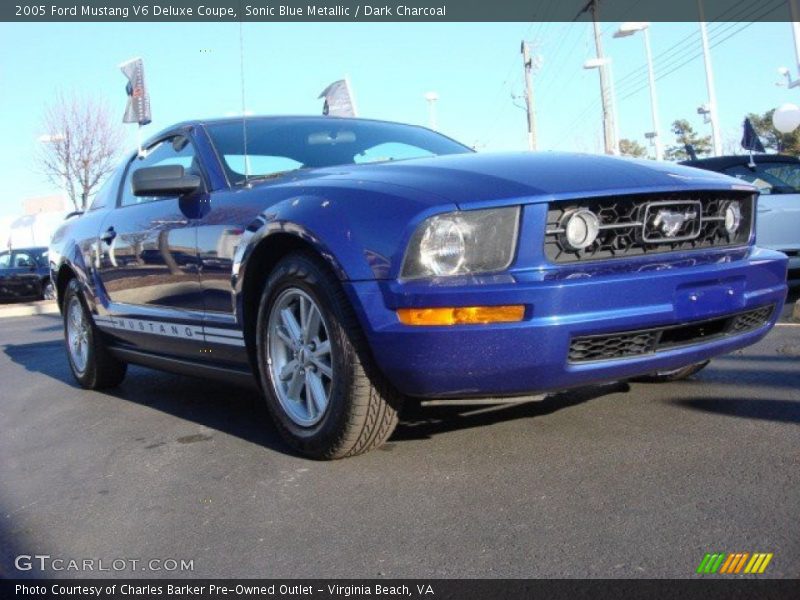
{"x": 343, "y": 265}
{"x": 25, "y": 274}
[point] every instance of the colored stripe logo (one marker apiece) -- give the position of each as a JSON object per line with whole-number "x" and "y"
{"x": 734, "y": 563}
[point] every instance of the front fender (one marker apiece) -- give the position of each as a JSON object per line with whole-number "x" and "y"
{"x": 360, "y": 233}
{"x": 70, "y": 257}
{"x": 71, "y": 248}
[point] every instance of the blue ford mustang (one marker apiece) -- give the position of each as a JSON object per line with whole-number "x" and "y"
{"x": 343, "y": 264}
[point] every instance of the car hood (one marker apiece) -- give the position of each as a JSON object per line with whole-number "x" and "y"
{"x": 468, "y": 179}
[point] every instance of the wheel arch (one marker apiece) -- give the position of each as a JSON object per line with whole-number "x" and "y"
{"x": 259, "y": 263}
{"x": 65, "y": 273}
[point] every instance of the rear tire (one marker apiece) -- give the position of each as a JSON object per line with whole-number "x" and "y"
{"x": 92, "y": 365}
{"x": 321, "y": 386}
{"x": 673, "y": 375}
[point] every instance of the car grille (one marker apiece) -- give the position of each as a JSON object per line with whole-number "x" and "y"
{"x": 628, "y": 225}
{"x": 624, "y": 344}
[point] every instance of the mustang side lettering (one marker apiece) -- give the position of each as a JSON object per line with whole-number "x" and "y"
{"x": 342, "y": 265}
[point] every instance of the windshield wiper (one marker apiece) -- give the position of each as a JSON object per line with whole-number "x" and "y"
{"x": 267, "y": 176}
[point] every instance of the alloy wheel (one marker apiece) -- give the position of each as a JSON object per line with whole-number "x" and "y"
{"x": 299, "y": 357}
{"x": 77, "y": 335}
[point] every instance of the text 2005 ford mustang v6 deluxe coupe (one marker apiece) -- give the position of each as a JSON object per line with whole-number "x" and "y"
{"x": 345, "y": 264}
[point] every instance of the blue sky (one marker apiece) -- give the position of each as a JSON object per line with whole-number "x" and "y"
{"x": 193, "y": 71}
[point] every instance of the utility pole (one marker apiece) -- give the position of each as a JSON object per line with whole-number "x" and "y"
{"x": 712, "y": 97}
{"x": 609, "y": 128}
{"x": 527, "y": 66}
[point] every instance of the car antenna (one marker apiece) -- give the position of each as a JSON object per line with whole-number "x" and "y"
{"x": 244, "y": 115}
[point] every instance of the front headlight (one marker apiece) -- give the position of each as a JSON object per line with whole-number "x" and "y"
{"x": 462, "y": 242}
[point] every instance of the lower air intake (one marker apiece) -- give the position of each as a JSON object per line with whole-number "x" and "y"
{"x": 624, "y": 344}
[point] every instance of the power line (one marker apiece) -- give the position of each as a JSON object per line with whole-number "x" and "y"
{"x": 682, "y": 49}
{"x": 486, "y": 137}
{"x": 716, "y": 36}
{"x": 504, "y": 86}
{"x": 717, "y": 40}
{"x": 681, "y": 45}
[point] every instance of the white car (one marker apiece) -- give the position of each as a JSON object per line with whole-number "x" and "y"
{"x": 777, "y": 176}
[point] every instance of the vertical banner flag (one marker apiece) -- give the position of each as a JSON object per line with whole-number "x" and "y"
{"x": 750, "y": 140}
{"x": 138, "y": 108}
{"x": 339, "y": 100}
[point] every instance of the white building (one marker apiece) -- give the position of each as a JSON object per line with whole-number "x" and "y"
{"x": 41, "y": 216}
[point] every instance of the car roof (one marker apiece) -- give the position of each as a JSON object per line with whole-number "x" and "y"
{"x": 720, "y": 163}
{"x": 298, "y": 118}
{"x": 29, "y": 248}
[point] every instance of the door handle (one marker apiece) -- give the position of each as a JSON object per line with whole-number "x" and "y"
{"x": 109, "y": 235}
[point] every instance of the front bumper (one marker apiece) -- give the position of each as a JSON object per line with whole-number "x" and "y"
{"x": 532, "y": 355}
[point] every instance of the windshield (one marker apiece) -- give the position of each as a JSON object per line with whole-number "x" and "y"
{"x": 275, "y": 146}
{"x": 770, "y": 178}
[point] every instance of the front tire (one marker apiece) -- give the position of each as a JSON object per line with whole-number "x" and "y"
{"x": 89, "y": 359}
{"x": 321, "y": 386}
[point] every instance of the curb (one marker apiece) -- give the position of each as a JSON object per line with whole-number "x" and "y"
{"x": 796, "y": 313}
{"x": 29, "y": 309}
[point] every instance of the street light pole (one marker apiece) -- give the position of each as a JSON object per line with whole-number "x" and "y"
{"x": 794, "y": 9}
{"x": 625, "y": 30}
{"x": 653, "y": 96}
{"x": 610, "y": 130}
{"x": 712, "y": 97}
{"x": 431, "y": 98}
{"x": 527, "y": 65}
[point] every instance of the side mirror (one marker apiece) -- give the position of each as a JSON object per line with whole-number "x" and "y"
{"x": 164, "y": 180}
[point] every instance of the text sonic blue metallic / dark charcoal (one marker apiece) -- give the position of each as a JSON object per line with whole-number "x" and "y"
{"x": 345, "y": 264}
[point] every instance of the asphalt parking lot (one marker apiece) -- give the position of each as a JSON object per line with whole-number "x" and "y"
{"x": 628, "y": 480}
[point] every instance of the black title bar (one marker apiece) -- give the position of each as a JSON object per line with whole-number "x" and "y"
{"x": 708, "y": 588}
{"x": 391, "y": 11}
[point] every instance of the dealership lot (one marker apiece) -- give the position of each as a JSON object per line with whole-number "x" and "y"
{"x": 627, "y": 480}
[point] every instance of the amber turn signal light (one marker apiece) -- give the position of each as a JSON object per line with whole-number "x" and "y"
{"x": 461, "y": 315}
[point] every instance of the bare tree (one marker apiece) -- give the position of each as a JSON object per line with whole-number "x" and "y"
{"x": 80, "y": 145}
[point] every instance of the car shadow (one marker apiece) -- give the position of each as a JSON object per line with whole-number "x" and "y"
{"x": 237, "y": 411}
{"x": 419, "y": 422}
{"x": 765, "y": 409}
{"x": 241, "y": 412}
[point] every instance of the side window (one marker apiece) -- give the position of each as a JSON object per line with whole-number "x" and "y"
{"x": 173, "y": 151}
{"x": 23, "y": 260}
{"x": 261, "y": 165}
{"x": 107, "y": 192}
{"x": 5, "y": 260}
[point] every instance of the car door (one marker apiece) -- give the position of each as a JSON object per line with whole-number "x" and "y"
{"x": 23, "y": 275}
{"x": 146, "y": 260}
